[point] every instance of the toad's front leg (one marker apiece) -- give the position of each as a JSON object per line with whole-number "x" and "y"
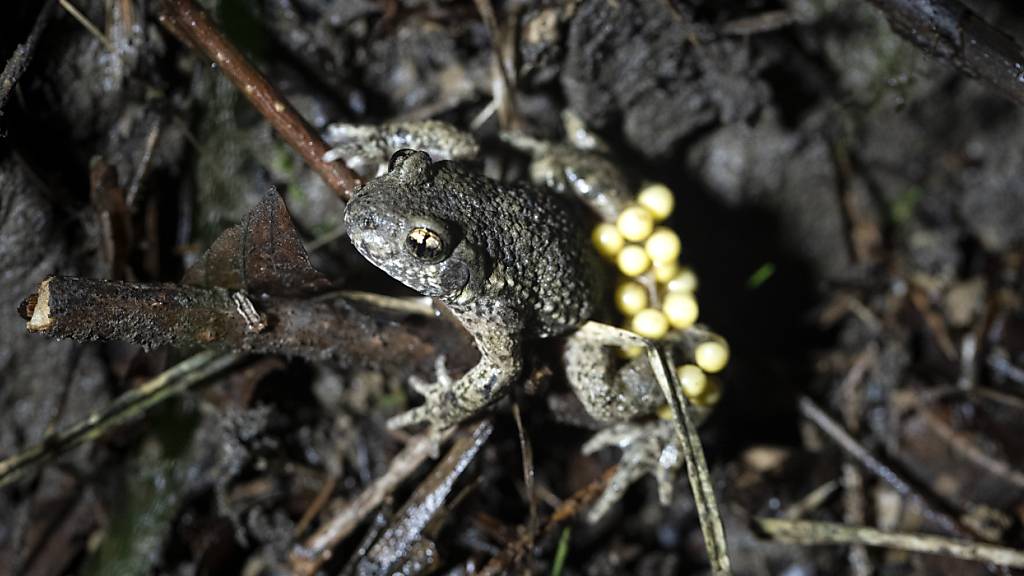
{"x": 448, "y": 402}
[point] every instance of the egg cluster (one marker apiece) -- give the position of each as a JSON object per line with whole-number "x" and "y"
{"x": 657, "y": 294}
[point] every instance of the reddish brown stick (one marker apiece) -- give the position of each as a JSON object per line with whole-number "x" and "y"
{"x": 192, "y": 25}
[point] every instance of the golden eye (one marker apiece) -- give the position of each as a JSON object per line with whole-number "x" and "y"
{"x": 425, "y": 244}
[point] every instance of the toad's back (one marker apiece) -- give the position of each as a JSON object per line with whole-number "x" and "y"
{"x": 512, "y": 258}
{"x": 537, "y": 258}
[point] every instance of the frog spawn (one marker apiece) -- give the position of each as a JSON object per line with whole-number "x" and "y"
{"x": 656, "y": 295}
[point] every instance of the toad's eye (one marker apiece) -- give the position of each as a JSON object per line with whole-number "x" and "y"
{"x": 425, "y": 244}
{"x": 398, "y": 156}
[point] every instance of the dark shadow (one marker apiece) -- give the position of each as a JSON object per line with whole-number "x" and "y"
{"x": 767, "y": 326}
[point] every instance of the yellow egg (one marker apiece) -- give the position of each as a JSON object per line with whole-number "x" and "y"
{"x": 665, "y": 271}
{"x": 633, "y": 260}
{"x": 684, "y": 281}
{"x": 662, "y": 245}
{"x": 681, "y": 309}
{"x": 635, "y": 223}
{"x": 649, "y": 323}
{"x": 607, "y": 240}
{"x": 630, "y": 352}
{"x": 630, "y": 298}
{"x": 711, "y": 395}
{"x": 665, "y": 412}
{"x": 692, "y": 380}
{"x": 658, "y": 199}
{"x": 712, "y": 355}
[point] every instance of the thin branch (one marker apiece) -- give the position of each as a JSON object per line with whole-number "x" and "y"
{"x": 697, "y": 471}
{"x": 526, "y": 450}
{"x": 570, "y": 508}
{"x": 88, "y": 25}
{"x": 809, "y": 533}
{"x": 768, "y": 21}
{"x": 835, "y": 431}
{"x": 128, "y": 406}
{"x": 307, "y": 558}
{"x": 811, "y": 501}
{"x": 193, "y": 26}
{"x": 132, "y": 196}
{"x": 406, "y": 528}
{"x": 182, "y": 316}
{"x": 963, "y": 445}
{"x": 851, "y": 392}
{"x": 999, "y": 362}
{"x": 502, "y": 72}
{"x": 316, "y": 506}
{"x": 19, "y": 61}
{"x": 948, "y": 30}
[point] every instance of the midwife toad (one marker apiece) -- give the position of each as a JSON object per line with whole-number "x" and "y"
{"x": 513, "y": 263}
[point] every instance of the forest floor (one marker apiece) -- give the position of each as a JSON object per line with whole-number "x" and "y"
{"x": 849, "y": 187}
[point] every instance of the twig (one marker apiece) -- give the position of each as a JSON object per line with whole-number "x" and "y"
{"x": 89, "y": 26}
{"x": 326, "y": 238}
{"x": 19, "y": 61}
{"x": 936, "y": 323}
{"x": 696, "y": 465}
{"x": 948, "y": 30}
{"x": 502, "y": 76}
{"x": 968, "y": 378}
{"x": 115, "y": 234}
{"x": 769, "y": 21}
{"x": 132, "y": 196}
{"x": 193, "y": 26}
{"x": 993, "y": 395}
{"x": 307, "y": 558}
{"x": 412, "y": 305}
{"x": 872, "y": 464}
{"x": 809, "y": 533}
{"x": 182, "y": 316}
{"x": 569, "y": 508}
{"x": 526, "y": 450}
{"x": 398, "y": 541}
{"x": 854, "y": 501}
{"x": 129, "y": 405}
{"x": 811, "y": 501}
{"x": 999, "y": 362}
{"x": 863, "y": 234}
{"x": 314, "y": 508}
{"x": 963, "y": 446}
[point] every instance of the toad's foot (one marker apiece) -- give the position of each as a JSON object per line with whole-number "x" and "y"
{"x": 647, "y": 448}
{"x": 449, "y": 401}
{"x": 366, "y": 158}
{"x": 367, "y": 148}
{"x": 437, "y": 407}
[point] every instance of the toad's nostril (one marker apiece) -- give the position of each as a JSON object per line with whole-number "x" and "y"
{"x": 367, "y": 223}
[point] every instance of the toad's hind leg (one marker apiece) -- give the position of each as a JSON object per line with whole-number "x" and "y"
{"x": 608, "y": 393}
{"x": 684, "y": 432}
{"x": 647, "y": 448}
{"x": 618, "y": 397}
